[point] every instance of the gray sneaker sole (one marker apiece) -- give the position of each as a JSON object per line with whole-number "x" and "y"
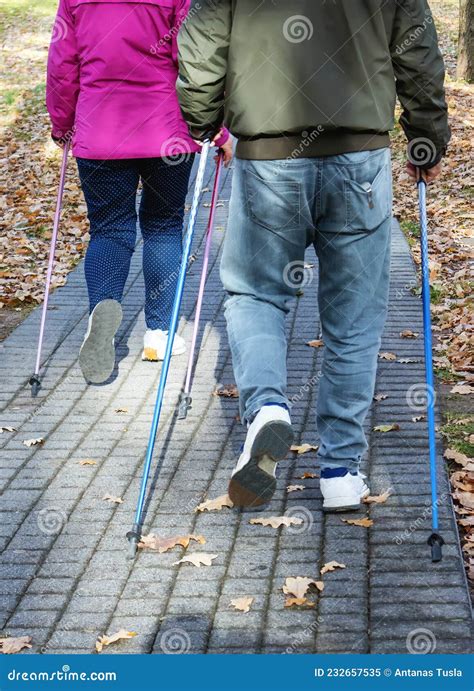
{"x": 255, "y": 483}
{"x": 97, "y": 356}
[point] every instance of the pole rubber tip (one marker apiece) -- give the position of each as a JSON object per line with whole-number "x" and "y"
{"x": 35, "y": 383}
{"x": 185, "y": 402}
{"x": 133, "y": 538}
{"x": 436, "y": 542}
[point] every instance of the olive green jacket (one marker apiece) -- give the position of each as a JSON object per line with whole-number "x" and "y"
{"x": 312, "y": 77}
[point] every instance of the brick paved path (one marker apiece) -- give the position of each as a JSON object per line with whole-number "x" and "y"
{"x": 64, "y": 576}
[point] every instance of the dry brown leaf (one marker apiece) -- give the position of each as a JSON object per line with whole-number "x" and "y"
{"x": 380, "y": 396}
{"x": 162, "y": 545}
{"x": 377, "y": 498}
{"x": 7, "y": 429}
{"x": 107, "y": 640}
{"x": 394, "y": 427}
{"x": 216, "y": 504}
{"x": 457, "y": 457}
{"x": 112, "y": 499}
{"x": 242, "y": 604}
{"x": 363, "y": 522}
{"x": 11, "y": 645}
{"x": 465, "y": 498}
{"x": 121, "y": 410}
{"x": 33, "y": 442}
{"x": 277, "y": 521}
{"x": 295, "y": 488}
{"x": 87, "y": 461}
{"x": 298, "y": 601}
{"x": 330, "y": 566}
{"x": 462, "y": 389}
{"x": 409, "y": 334}
{"x": 387, "y": 356}
{"x": 317, "y": 343}
{"x": 229, "y": 391}
{"x": 308, "y": 476}
{"x": 298, "y": 586}
{"x": 303, "y": 448}
{"x": 197, "y": 559}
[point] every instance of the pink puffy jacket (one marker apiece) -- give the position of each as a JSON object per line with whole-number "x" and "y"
{"x": 112, "y": 70}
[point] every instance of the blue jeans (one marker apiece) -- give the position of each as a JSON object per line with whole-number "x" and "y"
{"x": 110, "y": 190}
{"x": 341, "y": 204}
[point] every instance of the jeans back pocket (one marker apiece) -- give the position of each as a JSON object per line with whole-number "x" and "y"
{"x": 368, "y": 202}
{"x": 273, "y": 204}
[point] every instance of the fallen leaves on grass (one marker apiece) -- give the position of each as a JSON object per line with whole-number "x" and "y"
{"x": 229, "y": 391}
{"x": 295, "y": 488}
{"x": 11, "y": 645}
{"x": 363, "y": 522}
{"x": 330, "y": 566}
{"x": 162, "y": 545}
{"x": 457, "y": 457}
{"x": 387, "y": 356}
{"x": 7, "y": 429}
{"x": 303, "y": 448}
{"x": 377, "y": 498}
{"x": 108, "y": 640}
{"x": 112, "y": 499}
{"x": 277, "y": 521}
{"x": 87, "y": 461}
{"x": 33, "y": 442}
{"x": 317, "y": 343}
{"x": 297, "y": 588}
{"x": 393, "y": 427}
{"x": 462, "y": 389}
{"x": 217, "y": 504}
{"x": 242, "y": 604}
{"x": 197, "y": 559}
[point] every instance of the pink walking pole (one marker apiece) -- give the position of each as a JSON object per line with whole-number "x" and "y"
{"x": 185, "y": 400}
{"x": 35, "y": 381}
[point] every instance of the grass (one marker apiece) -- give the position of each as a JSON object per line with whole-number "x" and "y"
{"x": 457, "y": 430}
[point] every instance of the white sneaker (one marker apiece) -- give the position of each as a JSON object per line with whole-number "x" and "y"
{"x": 268, "y": 440}
{"x": 97, "y": 354}
{"x": 343, "y": 493}
{"x": 154, "y": 345}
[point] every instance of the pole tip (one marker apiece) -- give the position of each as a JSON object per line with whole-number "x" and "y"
{"x": 436, "y": 542}
{"x": 35, "y": 383}
{"x": 133, "y": 538}
{"x": 184, "y": 405}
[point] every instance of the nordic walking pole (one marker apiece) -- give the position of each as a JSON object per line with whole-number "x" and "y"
{"x": 35, "y": 381}
{"x": 435, "y": 540}
{"x": 135, "y": 534}
{"x": 185, "y": 400}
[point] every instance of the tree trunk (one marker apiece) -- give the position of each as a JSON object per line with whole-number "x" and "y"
{"x": 465, "y": 69}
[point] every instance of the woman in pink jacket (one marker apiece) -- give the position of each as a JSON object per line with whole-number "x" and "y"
{"x": 112, "y": 70}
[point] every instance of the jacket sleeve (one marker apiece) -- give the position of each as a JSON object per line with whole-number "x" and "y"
{"x": 62, "y": 86}
{"x": 203, "y": 44}
{"x": 419, "y": 75}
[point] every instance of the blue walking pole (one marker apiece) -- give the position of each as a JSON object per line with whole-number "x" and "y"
{"x": 135, "y": 534}
{"x": 435, "y": 540}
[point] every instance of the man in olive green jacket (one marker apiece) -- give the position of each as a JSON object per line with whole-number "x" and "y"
{"x": 308, "y": 88}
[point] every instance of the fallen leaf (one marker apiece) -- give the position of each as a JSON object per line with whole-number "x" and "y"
{"x": 215, "y": 504}
{"x": 87, "y": 461}
{"x": 317, "y": 343}
{"x": 33, "y": 442}
{"x": 162, "y": 545}
{"x": 7, "y": 429}
{"x": 242, "y": 604}
{"x": 330, "y": 566}
{"x": 197, "y": 558}
{"x": 303, "y": 448}
{"x": 387, "y": 356}
{"x": 276, "y": 521}
{"x": 418, "y": 418}
{"x": 457, "y": 457}
{"x": 298, "y": 586}
{"x": 295, "y": 488}
{"x": 465, "y": 498}
{"x": 377, "y": 498}
{"x": 298, "y": 601}
{"x": 387, "y": 428}
{"x": 308, "y": 476}
{"x": 227, "y": 391}
{"x": 112, "y": 499}
{"x": 121, "y": 410}
{"x": 409, "y": 334}
{"x": 10, "y": 646}
{"x": 408, "y": 360}
{"x": 462, "y": 389}
{"x": 107, "y": 640}
{"x": 363, "y": 522}
{"x": 380, "y": 396}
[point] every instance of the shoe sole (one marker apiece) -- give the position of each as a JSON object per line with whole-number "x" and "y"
{"x": 151, "y": 354}
{"x": 255, "y": 483}
{"x": 344, "y": 504}
{"x": 97, "y": 355}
